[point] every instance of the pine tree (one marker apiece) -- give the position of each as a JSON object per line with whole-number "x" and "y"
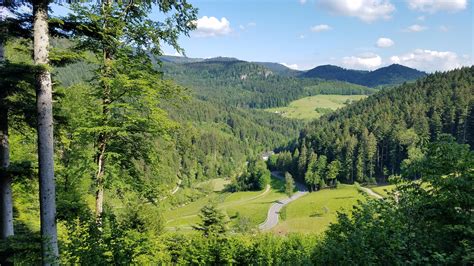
{"x": 309, "y": 175}
{"x": 126, "y": 82}
{"x": 302, "y": 161}
{"x": 289, "y": 184}
{"x": 213, "y": 221}
{"x": 333, "y": 171}
{"x": 371, "y": 149}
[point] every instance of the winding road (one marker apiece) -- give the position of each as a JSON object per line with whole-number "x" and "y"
{"x": 274, "y": 211}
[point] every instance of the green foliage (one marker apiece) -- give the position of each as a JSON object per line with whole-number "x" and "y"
{"x": 385, "y": 133}
{"x": 427, "y": 222}
{"x": 261, "y": 249}
{"x": 255, "y": 177}
{"x": 289, "y": 184}
{"x": 213, "y": 221}
{"x": 250, "y": 85}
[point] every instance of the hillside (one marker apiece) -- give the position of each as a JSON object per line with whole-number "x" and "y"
{"x": 383, "y": 134}
{"x": 250, "y": 85}
{"x": 390, "y": 75}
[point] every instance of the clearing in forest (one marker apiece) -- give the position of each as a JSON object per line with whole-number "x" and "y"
{"x": 315, "y": 106}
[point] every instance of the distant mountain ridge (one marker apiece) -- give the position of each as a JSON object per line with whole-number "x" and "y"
{"x": 389, "y": 75}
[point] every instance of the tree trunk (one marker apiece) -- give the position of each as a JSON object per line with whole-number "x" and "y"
{"x": 50, "y": 253}
{"x": 99, "y": 195}
{"x": 102, "y": 140}
{"x": 6, "y": 202}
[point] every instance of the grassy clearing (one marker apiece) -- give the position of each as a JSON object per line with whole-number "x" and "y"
{"x": 314, "y": 212}
{"x": 314, "y": 106}
{"x": 383, "y": 190}
{"x": 251, "y": 204}
{"x": 217, "y": 184}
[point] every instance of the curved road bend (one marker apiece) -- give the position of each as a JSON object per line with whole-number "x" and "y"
{"x": 274, "y": 211}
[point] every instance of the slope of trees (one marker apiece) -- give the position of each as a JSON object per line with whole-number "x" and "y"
{"x": 385, "y": 133}
{"x": 250, "y": 85}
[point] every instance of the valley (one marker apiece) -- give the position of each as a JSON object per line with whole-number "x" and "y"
{"x": 313, "y": 107}
{"x": 116, "y": 148}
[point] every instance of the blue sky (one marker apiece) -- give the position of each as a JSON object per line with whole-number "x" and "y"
{"x": 426, "y": 34}
{"x": 280, "y": 31}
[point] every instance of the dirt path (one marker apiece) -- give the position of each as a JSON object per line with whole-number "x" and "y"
{"x": 274, "y": 211}
{"x": 370, "y": 192}
{"x": 176, "y": 188}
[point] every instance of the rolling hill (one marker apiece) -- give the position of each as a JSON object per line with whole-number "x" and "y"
{"x": 389, "y": 75}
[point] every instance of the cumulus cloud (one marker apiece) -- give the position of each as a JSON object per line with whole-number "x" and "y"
{"x": 364, "y": 61}
{"x": 320, "y": 28}
{"x": 433, "y": 6}
{"x": 302, "y": 36}
{"x": 366, "y": 10}
{"x": 384, "y": 42}
{"x": 211, "y": 27}
{"x": 303, "y": 2}
{"x": 292, "y": 66}
{"x": 443, "y": 28}
{"x": 430, "y": 60}
{"x": 415, "y": 28}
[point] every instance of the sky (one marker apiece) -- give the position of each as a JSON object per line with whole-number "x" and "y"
{"x": 430, "y": 35}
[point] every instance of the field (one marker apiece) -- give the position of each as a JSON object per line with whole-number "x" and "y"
{"x": 315, "y": 211}
{"x": 314, "y": 106}
{"x": 251, "y": 204}
{"x": 383, "y": 190}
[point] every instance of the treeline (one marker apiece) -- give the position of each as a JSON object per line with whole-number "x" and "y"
{"x": 385, "y": 133}
{"x": 250, "y": 85}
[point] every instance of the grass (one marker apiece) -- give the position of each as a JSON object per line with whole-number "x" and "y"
{"x": 315, "y": 211}
{"x": 314, "y": 106}
{"x": 383, "y": 190}
{"x": 251, "y": 204}
{"x": 217, "y": 184}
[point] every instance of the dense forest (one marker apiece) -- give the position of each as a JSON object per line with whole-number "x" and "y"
{"x": 385, "y": 133}
{"x": 250, "y": 85}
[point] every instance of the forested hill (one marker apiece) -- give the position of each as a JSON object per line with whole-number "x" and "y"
{"x": 390, "y": 75}
{"x": 388, "y": 131}
{"x": 210, "y": 140}
{"x": 251, "y": 85}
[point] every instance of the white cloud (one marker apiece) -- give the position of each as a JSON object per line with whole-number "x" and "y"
{"x": 366, "y": 10}
{"x": 430, "y": 60}
{"x": 365, "y": 61}
{"x": 302, "y": 36}
{"x": 415, "y": 28}
{"x": 320, "y": 28}
{"x": 421, "y": 18}
{"x": 443, "y": 28}
{"x": 433, "y": 6}
{"x": 249, "y": 25}
{"x": 211, "y": 27}
{"x": 303, "y": 2}
{"x": 384, "y": 42}
{"x": 292, "y": 66}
